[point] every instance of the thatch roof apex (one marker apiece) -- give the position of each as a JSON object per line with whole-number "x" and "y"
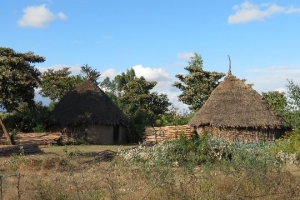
{"x": 87, "y": 104}
{"x": 237, "y": 105}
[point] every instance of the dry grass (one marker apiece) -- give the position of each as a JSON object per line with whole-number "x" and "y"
{"x": 60, "y": 150}
{"x": 61, "y": 174}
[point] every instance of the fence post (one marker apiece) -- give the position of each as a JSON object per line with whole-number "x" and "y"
{"x": 18, "y": 186}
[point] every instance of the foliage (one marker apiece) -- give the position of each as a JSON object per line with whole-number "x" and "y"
{"x": 201, "y": 150}
{"x": 198, "y": 84}
{"x": 182, "y": 152}
{"x": 51, "y": 106}
{"x": 88, "y": 73}
{"x": 18, "y": 78}
{"x": 277, "y": 100}
{"x": 252, "y": 156}
{"x": 57, "y": 83}
{"x": 133, "y": 96}
{"x": 293, "y": 117}
{"x": 289, "y": 143}
{"x": 173, "y": 117}
{"x": 28, "y": 118}
{"x": 287, "y": 106}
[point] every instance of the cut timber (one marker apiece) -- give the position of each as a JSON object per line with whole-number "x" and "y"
{"x": 38, "y": 138}
{"x": 159, "y": 134}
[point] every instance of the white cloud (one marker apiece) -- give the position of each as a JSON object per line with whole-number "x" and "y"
{"x": 280, "y": 89}
{"x": 247, "y": 12}
{"x": 292, "y": 10}
{"x": 186, "y": 55}
{"x": 164, "y": 83}
{"x": 273, "y": 78}
{"x": 39, "y": 17}
{"x": 161, "y": 76}
{"x": 151, "y": 74}
{"x": 111, "y": 73}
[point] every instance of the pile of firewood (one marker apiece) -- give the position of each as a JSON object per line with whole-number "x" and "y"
{"x": 38, "y": 138}
{"x": 159, "y": 134}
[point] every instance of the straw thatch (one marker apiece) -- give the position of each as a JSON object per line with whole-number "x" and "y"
{"x": 237, "y": 108}
{"x": 87, "y": 113}
{"x": 87, "y": 104}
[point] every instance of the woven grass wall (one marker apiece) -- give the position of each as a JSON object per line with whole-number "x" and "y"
{"x": 244, "y": 135}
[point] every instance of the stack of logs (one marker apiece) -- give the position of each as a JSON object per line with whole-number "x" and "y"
{"x": 38, "y": 138}
{"x": 155, "y": 135}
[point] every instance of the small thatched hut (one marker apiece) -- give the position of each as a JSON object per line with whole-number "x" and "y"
{"x": 87, "y": 112}
{"x": 236, "y": 112}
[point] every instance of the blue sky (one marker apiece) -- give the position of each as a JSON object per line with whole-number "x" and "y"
{"x": 157, "y": 38}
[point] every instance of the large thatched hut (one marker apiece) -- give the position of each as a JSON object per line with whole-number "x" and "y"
{"x": 87, "y": 112}
{"x": 236, "y": 112}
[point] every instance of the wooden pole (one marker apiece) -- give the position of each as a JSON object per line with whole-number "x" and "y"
{"x": 5, "y": 132}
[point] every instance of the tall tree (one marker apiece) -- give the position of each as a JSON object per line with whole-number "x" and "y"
{"x": 287, "y": 106}
{"x": 133, "y": 95}
{"x": 198, "y": 84}
{"x": 293, "y": 94}
{"x": 277, "y": 100}
{"x": 90, "y": 73}
{"x": 56, "y": 83}
{"x": 18, "y": 78}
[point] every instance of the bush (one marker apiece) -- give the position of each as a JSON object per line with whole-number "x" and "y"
{"x": 28, "y": 119}
{"x": 183, "y": 152}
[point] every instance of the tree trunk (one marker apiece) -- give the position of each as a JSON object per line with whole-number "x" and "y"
{"x": 5, "y": 132}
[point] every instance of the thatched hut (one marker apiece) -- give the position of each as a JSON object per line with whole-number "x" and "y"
{"x": 87, "y": 112}
{"x": 236, "y": 112}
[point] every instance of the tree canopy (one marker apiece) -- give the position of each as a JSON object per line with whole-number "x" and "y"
{"x": 133, "y": 95}
{"x": 18, "y": 78}
{"x": 88, "y": 72}
{"x": 293, "y": 95}
{"x": 286, "y": 105}
{"x": 277, "y": 100}
{"x": 198, "y": 84}
{"x": 56, "y": 83}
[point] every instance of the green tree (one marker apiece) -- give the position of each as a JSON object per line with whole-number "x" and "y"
{"x": 18, "y": 78}
{"x": 198, "y": 84}
{"x": 293, "y": 95}
{"x": 56, "y": 83}
{"x": 133, "y": 95}
{"x": 90, "y": 73}
{"x": 173, "y": 117}
{"x": 28, "y": 118}
{"x": 287, "y": 106}
{"x": 277, "y": 100}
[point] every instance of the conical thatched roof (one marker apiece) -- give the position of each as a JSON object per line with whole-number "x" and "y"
{"x": 235, "y": 104}
{"x": 87, "y": 104}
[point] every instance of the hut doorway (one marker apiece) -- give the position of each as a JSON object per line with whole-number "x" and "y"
{"x": 116, "y": 133}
